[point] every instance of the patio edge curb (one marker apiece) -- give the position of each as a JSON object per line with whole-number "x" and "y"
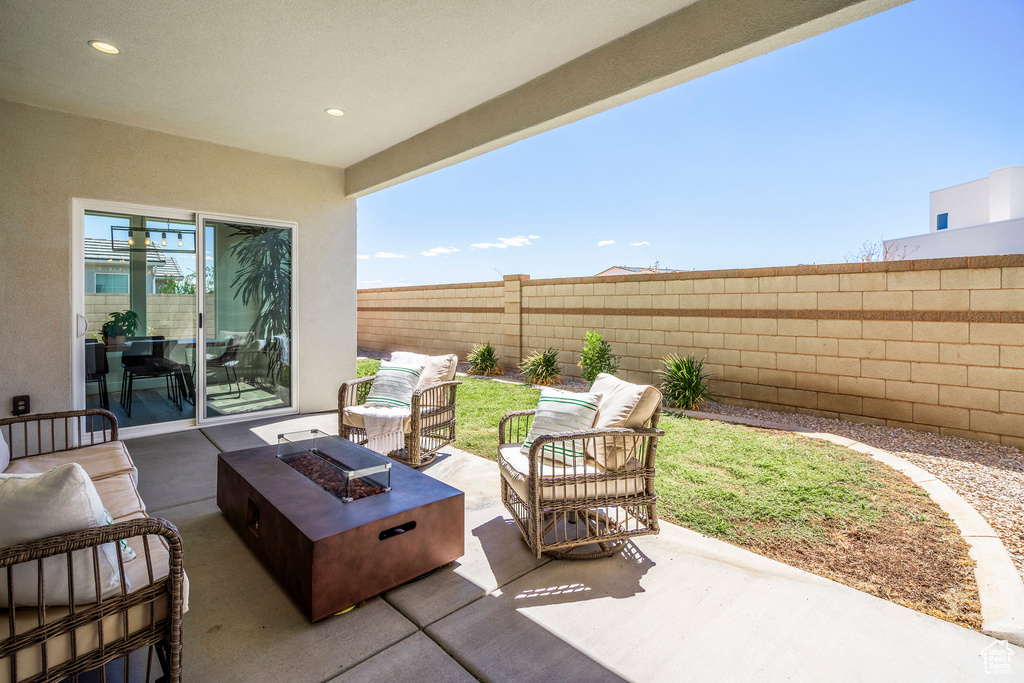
{"x": 1000, "y": 588}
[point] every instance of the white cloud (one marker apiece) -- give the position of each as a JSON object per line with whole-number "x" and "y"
{"x": 370, "y": 282}
{"x": 639, "y": 244}
{"x": 439, "y": 250}
{"x": 387, "y": 254}
{"x": 605, "y": 243}
{"x": 505, "y": 242}
{"x": 362, "y": 257}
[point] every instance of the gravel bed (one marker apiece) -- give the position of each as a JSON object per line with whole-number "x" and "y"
{"x": 988, "y": 476}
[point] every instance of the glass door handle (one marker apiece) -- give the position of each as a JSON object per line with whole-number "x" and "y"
{"x": 81, "y": 318}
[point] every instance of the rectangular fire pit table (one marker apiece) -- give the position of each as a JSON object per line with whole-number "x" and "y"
{"x": 328, "y": 554}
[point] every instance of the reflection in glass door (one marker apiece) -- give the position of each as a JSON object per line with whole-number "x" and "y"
{"x": 140, "y": 298}
{"x": 247, "y": 318}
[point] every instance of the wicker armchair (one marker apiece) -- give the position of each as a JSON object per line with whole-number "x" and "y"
{"x": 586, "y": 511}
{"x": 429, "y": 427}
{"x": 52, "y": 642}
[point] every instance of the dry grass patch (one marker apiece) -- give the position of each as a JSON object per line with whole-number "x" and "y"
{"x": 820, "y": 507}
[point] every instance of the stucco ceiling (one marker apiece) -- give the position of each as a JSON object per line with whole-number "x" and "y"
{"x": 258, "y": 74}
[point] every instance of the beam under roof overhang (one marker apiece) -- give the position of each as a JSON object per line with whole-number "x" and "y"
{"x": 698, "y": 39}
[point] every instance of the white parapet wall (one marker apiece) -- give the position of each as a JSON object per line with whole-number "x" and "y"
{"x": 991, "y": 239}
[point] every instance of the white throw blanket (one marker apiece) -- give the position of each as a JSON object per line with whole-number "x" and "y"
{"x": 384, "y": 432}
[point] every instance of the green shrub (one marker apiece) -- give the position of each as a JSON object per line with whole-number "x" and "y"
{"x": 684, "y": 382}
{"x": 597, "y": 357}
{"x": 365, "y": 367}
{"x": 483, "y": 360}
{"x": 541, "y": 367}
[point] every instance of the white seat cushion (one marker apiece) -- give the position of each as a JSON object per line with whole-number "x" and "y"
{"x": 353, "y": 417}
{"x": 119, "y": 495}
{"x": 515, "y": 468}
{"x": 99, "y": 462}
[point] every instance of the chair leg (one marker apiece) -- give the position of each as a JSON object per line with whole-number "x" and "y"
{"x": 128, "y": 399}
{"x": 104, "y": 396}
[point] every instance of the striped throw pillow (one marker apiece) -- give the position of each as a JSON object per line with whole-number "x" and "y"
{"x": 394, "y": 385}
{"x": 559, "y": 412}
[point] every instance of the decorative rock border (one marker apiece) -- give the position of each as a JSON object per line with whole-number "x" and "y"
{"x": 1000, "y": 589}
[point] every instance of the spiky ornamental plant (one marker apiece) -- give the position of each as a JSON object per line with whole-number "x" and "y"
{"x": 483, "y": 360}
{"x": 542, "y": 367}
{"x": 264, "y": 279}
{"x": 597, "y": 357}
{"x": 684, "y": 383}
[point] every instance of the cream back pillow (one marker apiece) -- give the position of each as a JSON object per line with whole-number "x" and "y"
{"x": 5, "y": 453}
{"x": 622, "y": 405}
{"x": 34, "y": 506}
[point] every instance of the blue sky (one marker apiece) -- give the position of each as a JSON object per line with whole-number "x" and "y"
{"x": 797, "y": 156}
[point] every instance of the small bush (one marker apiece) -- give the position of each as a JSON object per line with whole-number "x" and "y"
{"x": 597, "y": 357}
{"x": 684, "y": 382}
{"x": 483, "y": 360}
{"x": 366, "y": 367}
{"x": 541, "y": 367}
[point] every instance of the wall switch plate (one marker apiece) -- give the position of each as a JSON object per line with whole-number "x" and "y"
{"x": 21, "y": 405}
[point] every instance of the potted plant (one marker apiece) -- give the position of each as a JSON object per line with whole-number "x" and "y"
{"x": 119, "y": 326}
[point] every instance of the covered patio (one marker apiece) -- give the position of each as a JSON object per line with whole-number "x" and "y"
{"x": 227, "y": 111}
{"x": 676, "y": 606}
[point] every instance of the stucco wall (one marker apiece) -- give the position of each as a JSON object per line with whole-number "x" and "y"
{"x": 935, "y": 345}
{"x": 967, "y": 204}
{"x": 49, "y": 157}
{"x": 1005, "y": 237}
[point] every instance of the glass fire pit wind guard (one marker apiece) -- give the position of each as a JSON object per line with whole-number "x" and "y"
{"x": 346, "y": 473}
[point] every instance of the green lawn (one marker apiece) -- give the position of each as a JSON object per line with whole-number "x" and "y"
{"x": 748, "y": 485}
{"x": 812, "y": 504}
{"x": 722, "y": 480}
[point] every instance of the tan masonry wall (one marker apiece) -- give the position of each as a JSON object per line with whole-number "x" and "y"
{"x": 170, "y": 315}
{"x": 935, "y": 345}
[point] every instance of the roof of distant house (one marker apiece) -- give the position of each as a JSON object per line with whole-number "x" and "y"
{"x": 98, "y": 249}
{"x": 627, "y": 270}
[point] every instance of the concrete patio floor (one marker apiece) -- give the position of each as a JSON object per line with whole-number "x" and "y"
{"x": 678, "y": 606}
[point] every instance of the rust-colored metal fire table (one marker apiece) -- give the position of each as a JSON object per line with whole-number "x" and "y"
{"x": 329, "y": 554}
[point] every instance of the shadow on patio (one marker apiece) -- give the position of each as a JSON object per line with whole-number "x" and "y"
{"x": 668, "y": 607}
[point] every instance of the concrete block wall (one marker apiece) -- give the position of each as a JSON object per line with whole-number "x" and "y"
{"x": 935, "y": 345}
{"x": 434, "y": 319}
{"x": 170, "y": 315}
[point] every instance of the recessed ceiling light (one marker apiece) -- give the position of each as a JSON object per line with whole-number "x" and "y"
{"x": 104, "y": 47}
{"x": 333, "y": 111}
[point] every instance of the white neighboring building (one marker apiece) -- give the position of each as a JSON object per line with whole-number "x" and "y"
{"x": 978, "y": 218}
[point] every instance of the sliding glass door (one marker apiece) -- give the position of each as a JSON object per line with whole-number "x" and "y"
{"x": 181, "y": 318}
{"x": 139, "y": 298}
{"x": 247, "y": 318}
